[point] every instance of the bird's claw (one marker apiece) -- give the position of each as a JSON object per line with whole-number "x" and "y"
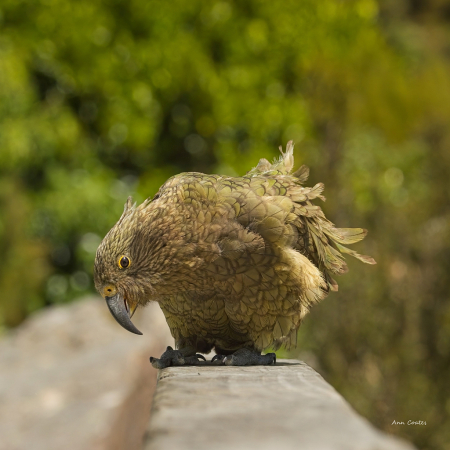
{"x": 246, "y": 357}
{"x": 173, "y": 357}
{"x": 217, "y": 360}
{"x": 194, "y": 360}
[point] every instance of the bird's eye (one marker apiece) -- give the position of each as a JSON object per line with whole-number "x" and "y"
{"x": 124, "y": 262}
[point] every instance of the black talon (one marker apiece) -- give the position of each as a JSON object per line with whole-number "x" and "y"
{"x": 219, "y": 358}
{"x": 195, "y": 360}
{"x": 269, "y": 359}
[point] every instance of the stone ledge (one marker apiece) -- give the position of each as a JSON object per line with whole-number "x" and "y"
{"x": 287, "y": 406}
{"x": 71, "y": 378}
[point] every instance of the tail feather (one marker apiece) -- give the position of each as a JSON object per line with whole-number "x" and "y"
{"x": 346, "y": 235}
{"x": 364, "y": 258}
{"x": 316, "y": 192}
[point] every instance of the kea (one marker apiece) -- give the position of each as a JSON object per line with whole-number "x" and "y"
{"x": 235, "y": 263}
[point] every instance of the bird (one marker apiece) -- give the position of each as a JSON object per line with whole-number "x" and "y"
{"x": 235, "y": 263}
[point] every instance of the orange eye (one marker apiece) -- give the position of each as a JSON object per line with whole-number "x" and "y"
{"x": 124, "y": 262}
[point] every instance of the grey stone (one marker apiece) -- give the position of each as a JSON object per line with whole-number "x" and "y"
{"x": 71, "y": 378}
{"x": 287, "y": 406}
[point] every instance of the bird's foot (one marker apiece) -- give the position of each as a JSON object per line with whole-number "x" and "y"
{"x": 245, "y": 357}
{"x": 173, "y": 357}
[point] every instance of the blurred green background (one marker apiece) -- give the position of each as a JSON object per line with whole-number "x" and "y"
{"x": 100, "y": 100}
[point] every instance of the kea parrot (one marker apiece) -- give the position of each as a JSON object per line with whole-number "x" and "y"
{"x": 235, "y": 263}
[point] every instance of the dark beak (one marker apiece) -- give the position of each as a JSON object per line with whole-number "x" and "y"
{"x": 116, "y": 305}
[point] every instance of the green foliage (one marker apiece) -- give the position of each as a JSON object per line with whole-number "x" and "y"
{"x": 100, "y": 100}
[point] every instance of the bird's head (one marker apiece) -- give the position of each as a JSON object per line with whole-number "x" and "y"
{"x": 120, "y": 267}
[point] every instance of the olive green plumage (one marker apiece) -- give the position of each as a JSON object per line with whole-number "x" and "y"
{"x": 233, "y": 262}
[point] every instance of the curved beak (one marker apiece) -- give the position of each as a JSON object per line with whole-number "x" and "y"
{"x": 118, "y": 307}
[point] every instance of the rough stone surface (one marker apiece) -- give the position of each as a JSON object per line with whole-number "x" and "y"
{"x": 287, "y": 406}
{"x": 71, "y": 378}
